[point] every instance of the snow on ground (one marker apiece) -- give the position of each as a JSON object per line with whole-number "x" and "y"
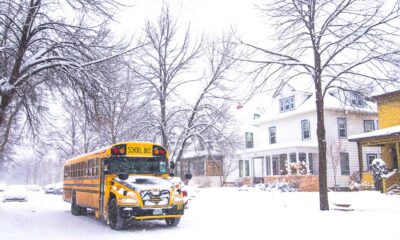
{"x": 223, "y": 213}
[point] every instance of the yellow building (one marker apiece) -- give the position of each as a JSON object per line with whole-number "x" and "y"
{"x": 387, "y": 137}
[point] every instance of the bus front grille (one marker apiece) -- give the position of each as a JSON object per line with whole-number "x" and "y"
{"x": 155, "y": 197}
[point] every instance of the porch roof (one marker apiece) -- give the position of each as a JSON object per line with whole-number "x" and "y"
{"x": 389, "y": 132}
{"x": 280, "y": 146}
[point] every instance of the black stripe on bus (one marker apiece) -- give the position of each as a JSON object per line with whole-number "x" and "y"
{"x": 81, "y": 185}
{"x": 82, "y": 178}
{"x": 82, "y": 190}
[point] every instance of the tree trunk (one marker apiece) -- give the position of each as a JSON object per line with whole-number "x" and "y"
{"x": 323, "y": 186}
{"x": 5, "y": 100}
{"x": 164, "y": 123}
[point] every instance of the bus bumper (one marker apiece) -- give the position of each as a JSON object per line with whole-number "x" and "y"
{"x": 138, "y": 213}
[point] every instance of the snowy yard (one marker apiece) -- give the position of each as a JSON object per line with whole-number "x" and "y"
{"x": 217, "y": 213}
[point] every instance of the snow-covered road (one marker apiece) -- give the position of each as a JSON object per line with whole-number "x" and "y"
{"x": 217, "y": 213}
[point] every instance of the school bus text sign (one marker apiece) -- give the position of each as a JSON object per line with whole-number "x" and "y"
{"x": 139, "y": 150}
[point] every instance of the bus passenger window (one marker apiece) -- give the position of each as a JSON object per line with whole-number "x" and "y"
{"x": 89, "y": 169}
{"x": 97, "y": 167}
{"x": 85, "y": 167}
{"x": 81, "y": 169}
{"x": 93, "y": 167}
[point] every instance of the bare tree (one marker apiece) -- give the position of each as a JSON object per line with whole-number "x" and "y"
{"x": 77, "y": 136}
{"x": 173, "y": 64}
{"x": 347, "y": 44}
{"x": 334, "y": 148}
{"x": 41, "y": 52}
{"x": 209, "y": 116}
{"x": 160, "y": 67}
{"x": 121, "y": 108}
{"x": 226, "y": 147}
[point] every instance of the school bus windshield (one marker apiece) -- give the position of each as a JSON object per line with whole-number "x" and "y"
{"x": 135, "y": 165}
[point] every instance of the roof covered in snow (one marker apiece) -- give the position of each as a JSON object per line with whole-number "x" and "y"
{"x": 332, "y": 101}
{"x": 385, "y": 132}
{"x": 384, "y": 95}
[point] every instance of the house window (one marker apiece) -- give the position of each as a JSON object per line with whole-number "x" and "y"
{"x": 240, "y": 168}
{"x": 268, "y": 165}
{"x": 342, "y": 127}
{"x": 344, "y": 163}
{"x": 370, "y": 158}
{"x": 305, "y": 130}
{"x": 283, "y": 164}
{"x": 303, "y": 163}
{"x": 275, "y": 168}
{"x": 293, "y": 166}
{"x": 272, "y": 135}
{"x": 247, "y": 168}
{"x": 302, "y": 157}
{"x": 256, "y": 116}
{"x": 369, "y": 125}
{"x": 310, "y": 163}
{"x": 293, "y": 157}
{"x": 356, "y": 99}
{"x": 249, "y": 140}
{"x": 286, "y": 104}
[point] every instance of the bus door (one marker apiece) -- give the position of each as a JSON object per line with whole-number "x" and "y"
{"x": 102, "y": 187}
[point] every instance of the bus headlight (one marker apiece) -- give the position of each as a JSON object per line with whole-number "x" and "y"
{"x": 178, "y": 199}
{"x": 130, "y": 201}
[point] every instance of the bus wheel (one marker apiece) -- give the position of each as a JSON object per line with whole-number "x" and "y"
{"x": 75, "y": 209}
{"x": 172, "y": 222}
{"x": 83, "y": 211}
{"x": 115, "y": 218}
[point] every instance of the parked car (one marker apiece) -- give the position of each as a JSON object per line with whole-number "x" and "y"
{"x": 3, "y": 187}
{"x": 33, "y": 187}
{"x": 58, "y": 188}
{"x": 49, "y": 188}
{"x": 15, "y": 193}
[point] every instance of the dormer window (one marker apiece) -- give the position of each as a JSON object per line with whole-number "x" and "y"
{"x": 286, "y": 104}
{"x": 356, "y": 99}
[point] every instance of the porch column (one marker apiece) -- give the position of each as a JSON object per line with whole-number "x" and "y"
{"x": 398, "y": 154}
{"x": 360, "y": 159}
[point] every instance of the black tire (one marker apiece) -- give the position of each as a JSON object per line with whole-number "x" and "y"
{"x": 83, "y": 211}
{"x": 75, "y": 209}
{"x": 115, "y": 215}
{"x": 172, "y": 222}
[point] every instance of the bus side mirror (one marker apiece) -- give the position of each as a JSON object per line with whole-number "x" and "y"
{"x": 188, "y": 176}
{"x": 123, "y": 176}
{"x": 171, "y": 165}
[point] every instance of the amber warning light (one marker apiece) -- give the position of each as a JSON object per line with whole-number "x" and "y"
{"x": 118, "y": 150}
{"x": 157, "y": 150}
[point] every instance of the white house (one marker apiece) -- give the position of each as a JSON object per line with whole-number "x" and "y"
{"x": 283, "y": 140}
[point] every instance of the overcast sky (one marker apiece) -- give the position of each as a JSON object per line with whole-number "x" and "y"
{"x": 211, "y": 17}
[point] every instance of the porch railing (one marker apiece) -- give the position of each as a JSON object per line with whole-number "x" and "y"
{"x": 390, "y": 181}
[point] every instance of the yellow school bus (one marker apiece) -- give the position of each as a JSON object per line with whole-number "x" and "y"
{"x": 124, "y": 182}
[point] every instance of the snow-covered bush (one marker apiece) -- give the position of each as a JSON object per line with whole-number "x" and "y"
{"x": 355, "y": 181}
{"x": 297, "y": 168}
{"x": 379, "y": 170}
